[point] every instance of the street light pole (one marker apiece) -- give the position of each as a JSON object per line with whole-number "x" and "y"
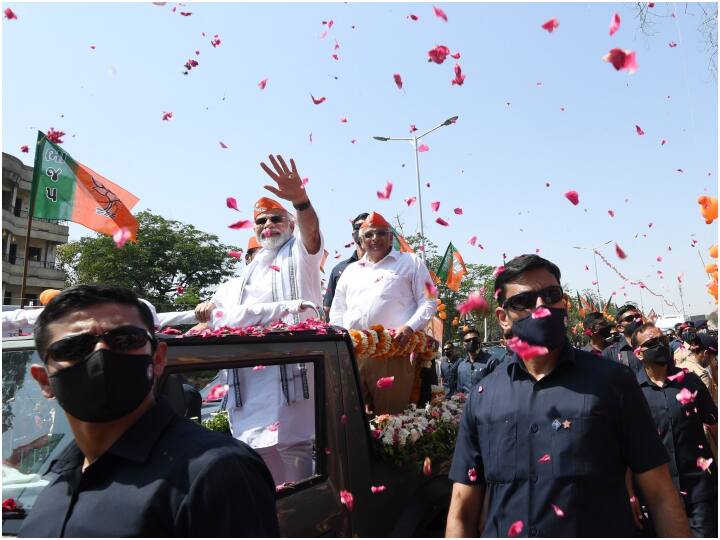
{"x": 414, "y": 140}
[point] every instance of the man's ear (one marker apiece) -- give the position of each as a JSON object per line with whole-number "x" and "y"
{"x": 159, "y": 359}
{"x": 40, "y": 374}
{"x": 503, "y": 319}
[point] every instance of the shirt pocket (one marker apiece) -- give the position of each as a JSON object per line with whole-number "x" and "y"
{"x": 588, "y": 447}
{"x": 498, "y": 445}
{"x": 393, "y": 287}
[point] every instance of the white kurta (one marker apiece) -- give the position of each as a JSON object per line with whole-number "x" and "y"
{"x": 390, "y": 292}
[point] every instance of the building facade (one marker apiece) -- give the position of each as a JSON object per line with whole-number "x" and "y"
{"x": 45, "y": 237}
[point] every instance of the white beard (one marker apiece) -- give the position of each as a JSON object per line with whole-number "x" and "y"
{"x": 274, "y": 242}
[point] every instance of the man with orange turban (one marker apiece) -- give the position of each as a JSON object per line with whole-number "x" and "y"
{"x": 385, "y": 287}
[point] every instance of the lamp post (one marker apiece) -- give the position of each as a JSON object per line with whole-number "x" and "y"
{"x": 414, "y": 140}
{"x": 597, "y": 279}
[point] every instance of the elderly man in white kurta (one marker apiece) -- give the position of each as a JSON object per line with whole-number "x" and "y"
{"x": 272, "y": 409}
{"x": 386, "y": 287}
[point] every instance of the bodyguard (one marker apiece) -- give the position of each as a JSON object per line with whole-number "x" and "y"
{"x": 472, "y": 366}
{"x": 628, "y": 320}
{"x": 545, "y": 442}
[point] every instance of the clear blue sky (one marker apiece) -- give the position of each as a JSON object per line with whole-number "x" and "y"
{"x": 493, "y": 163}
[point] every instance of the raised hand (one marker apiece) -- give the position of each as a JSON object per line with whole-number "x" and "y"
{"x": 289, "y": 184}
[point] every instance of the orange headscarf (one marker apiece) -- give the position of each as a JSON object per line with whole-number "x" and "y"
{"x": 253, "y": 243}
{"x": 264, "y": 204}
{"x": 375, "y": 220}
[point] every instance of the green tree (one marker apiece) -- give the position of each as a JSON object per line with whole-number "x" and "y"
{"x": 172, "y": 264}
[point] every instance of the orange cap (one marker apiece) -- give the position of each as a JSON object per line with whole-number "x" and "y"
{"x": 264, "y": 204}
{"x": 253, "y": 243}
{"x": 375, "y": 220}
{"x": 47, "y": 295}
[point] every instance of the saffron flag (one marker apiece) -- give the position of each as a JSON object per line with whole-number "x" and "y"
{"x": 399, "y": 242}
{"x": 452, "y": 268}
{"x": 65, "y": 189}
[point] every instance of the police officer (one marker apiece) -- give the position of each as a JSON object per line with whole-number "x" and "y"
{"x": 681, "y": 407}
{"x": 597, "y": 328}
{"x": 628, "y": 320}
{"x": 471, "y": 366}
{"x": 546, "y": 438}
{"x": 448, "y": 369}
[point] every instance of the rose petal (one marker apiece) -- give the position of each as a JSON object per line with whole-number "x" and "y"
{"x": 614, "y": 23}
{"x": 619, "y": 252}
{"x": 346, "y": 498}
{"x": 385, "y": 382}
{"x": 611, "y": 213}
{"x": 317, "y": 101}
{"x": 573, "y": 197}
{"x": 223, "y": 145}
{"x": 441, "y": 221}
{"x": 242, "y": 224}
{"x": 167, "y": 116}
{"x": 24, "y": 148}
{"x": 639, "y": 130}
{"x": 262, "y": 84}
{"x": 435, "y": 206}
{"x": 438, "y": 54}
{"x": 410, "y": 200}
{"x": 704, "y": 464}
{"x": 121, "y": 236}
{"x": 472, "y": 475}
{"x": 385, "y": 194}
{"x": 10, "y": 14}
{"x": 274, "y": 267}
{"x": 458, "y": 211}
{"x": 427, "y": 467}
{"x": 515, "y": 529}
{"x": 472, "y": 241}
{"x": 525, "y": 350}
{"x": 235, "y": 254}
{"x": 550, "y": 25}
{"x": 459, "y": 76}
{"x": 558, "y": 511}
{"x": 398, "y": 80}
{"x": 423, "y": 148}
{"x": 440, "y": 14}
{"x": 541, "y": 313}
{"x": 545, "y": 458}
{"x": 430, "y": 290}
{"x": 474, "y": 302}
{"x": 377, "y": 489}
{"x": 685, "y": 397}
{"x": 498, "y": 270}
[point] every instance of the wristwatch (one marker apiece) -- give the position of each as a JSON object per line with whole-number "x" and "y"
{"x": 302, "y": 206}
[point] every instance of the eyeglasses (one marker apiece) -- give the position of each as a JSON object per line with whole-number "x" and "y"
{"x": 528, "y": 300}
{"x": 375, "y": 234}
{"x": 273, "y": 219}
{"x": 469, "y": 340}
{"x": 121, "y": 339}
{"x": 630, "y": 318}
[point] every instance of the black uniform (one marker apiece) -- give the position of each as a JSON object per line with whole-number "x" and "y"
{"x": 334, "y": 277}
{"x": 681, "y": 430}
{"x": 622, "y": 353}
{"x": 469, "y": 373}
{"x": 565, "y": 440}
{"x": 166, "y": 476}
{"x": 448, "y": 370}
{"x": 589, "y": 348}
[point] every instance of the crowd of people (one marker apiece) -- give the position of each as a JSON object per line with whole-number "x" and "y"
{"x": 618, "y": 438}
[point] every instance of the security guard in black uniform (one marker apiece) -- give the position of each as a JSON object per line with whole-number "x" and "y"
{"x": 628, "y": 320}
{"x": 681, "y": 420}
{"x": 471, "y": 366}
{"x": 547, "y": 439}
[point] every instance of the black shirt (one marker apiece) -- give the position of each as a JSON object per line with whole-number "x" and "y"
{"x": 565, "y": 440}
{"x": 334, "y": 277}
{"x": 589, "y": 348}
{"x": 681, "y": 429}
{"x": 166, "y": 476}
{"x": 622, "y": 353}
{"x": 469, "y": 372}
{"x": 448, "y": 370}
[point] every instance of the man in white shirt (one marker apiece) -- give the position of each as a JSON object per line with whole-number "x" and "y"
{"x": 272, "y": 409}
{"x": 386, "y": 287}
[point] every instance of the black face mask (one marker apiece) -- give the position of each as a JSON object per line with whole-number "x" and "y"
{"x": 659, "y": 354}
{"x": 105, "y": 386}
{"x": 550, "y": 331}
{"x": 629, "y": 328}
{"x": 688, "y": 337}
{"x": 472, "y": 346}
{"x": 449, "y": 354}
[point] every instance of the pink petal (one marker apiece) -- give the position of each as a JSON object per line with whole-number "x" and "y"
{"x": 235, "y": 254}
{"x": 684, "y": 396}
{"x": 619, "y": 252}
{"x": 310, "y": 137}
{"x": 335, "y": 56}
{"x": 435, "y": 205}
{"x": 377, "y": 489}
{"x": 186, "y": 13}
{"x": 614, "y": 23}
{"x": 672, "y": 44}
{"x": 541, "y": 313}
{"x": 611, "y": 213}
{"x": 515, "y": 529}
{"x": 121, "y": 236}
{"x": 459, "y": 77}
{"x": 525, "y": 350}
{"x": 498, "y": 270}
{"x": 223, "y": 145}
{"x": 410, "y": 200}
{"x": 398, "y": 80}
{"x": 438, "y": 54}
{"x": 573, "y": 197}
{"x": 427, "y": 466}
{"x": 639, "y": 130}
{"x": 474, "y": 302}
{"x": 472, "y": 241}
{"x": 346, "y": 498}
{"x": 423, "y": 148}
{"x": 458, "y": 211}
{"x": 317, "y": 101}
{"x": 242, "y": 224}
{"x": 413, "y": 128}
{"x": 24, "y": 148}
{"x": 456, "y": 55}
{"x": 678, "y": 377}
{"x": 343, "y": 419}
{"x": 274, "y": 426}
{"x": 430, "y": 290}
{"x": 412, "y": 17}
{"x": 472, "y": 475}
{"x": 167, "y": 116}
{"x": 439, "y": 13}
{"x": 343, "y": 120}
{"x": 558, "y": 511}
{"x": 545, "y": 458}
{"x": 704, "y": 464}
{"x": 550, "y": 25}
{"x": 262, "y": 84}
{"x": 658, "y": 258}
{"x": 663, "y": 142}
{"x": 441, "y": 221}
{"x": 10, "y": 14}
{"x": 385, "y": 382}
{"x": 304, "y": 182}
{"x": 274, "y": 267}
{"x": 215, "y": 41}
{"x": 388, "y": 190}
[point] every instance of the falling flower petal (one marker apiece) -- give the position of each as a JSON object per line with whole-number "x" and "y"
{"x": 377, "y": 489}
{"x": 474, "y": 302}
{"x": 398, "y": 80}
{"x": 186, "y": 13}
{"x": 472, "y": 241}
{"x": 573, "y": 197}
{"x": 545, "y": 458}
{"x": 262, "y": 84}
{"x": 274, "y": 267}
{"x": 223, "y": 145}
{"x": 685, "y": 397}
{"x": 525, "y": 350}
{"x": 619, "y": 251}
{"x": 427, "y": 466}
{"x": 343, "y": 120}
{"x": 558, "y": 511}
{"x": 678, "y": 377}
{"x": 621, "y": 59}
{"x": 435, "y": 205}
{"x": 310, "y": 137}
{"x": 215, "y": 41}
{"x": 385, "y": 382}
{"x": 459, "y": 76}
{"x": 274, "y": 426}
{"x": 438, "y": 54}
{"x": 704, "y": 464}
{"x": 231, "y": 203}
{"x": 541, "y": 313}
{"x": 242, "y": 224}
{"x": 611, "y": 213}
{"x": 550, "y": 25}
{"x": 56, "y": 136}
{"x": 456, "y": 55}
{"x": 614, "y": 23}
{"x": 343, "y": 419}
{"x": 515, "y": 529}
{"x": 441, "y": 221}
{"x": 10, "y": 14}
{"x": 639, "y": 130}
{"x": 472, "y": 475}
{"x": 412, "y": 17}
{"x": 440, "y": 14}
{"x": 121, "y": 236}
{"x": 413, "y": 128}
{"x": 430, "y": 290}
{"x": 672, "y": 44}
{"x": 423, "y": 148}
{"x": 498, "y": 270}
{"x": 663, "y": 142}
{"x": 167, "y": 116}
{"x": 235, "y": 254}
{"x": 24, "y": 149}
{"x": 317, "y": 101}
{"x": 410, "y": 200}
{"x": 385, "y": 194}
{"x": 347, "y": 499}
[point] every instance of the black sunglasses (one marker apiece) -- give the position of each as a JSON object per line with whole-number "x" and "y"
{"x": 272, "y": 219}
{"x": 121, "y": 339}
{"x": 630, "y": 318}
{"x": 653, "y": 342}
{"x": 528, "y": 300}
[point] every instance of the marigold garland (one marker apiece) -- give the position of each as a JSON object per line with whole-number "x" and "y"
{"x": 380, "y": 343}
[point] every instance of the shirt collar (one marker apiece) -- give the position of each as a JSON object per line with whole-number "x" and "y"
{"x": 137, "y": 442}
{"x": 566, "y": 359}
{"x": 644, "y": 380}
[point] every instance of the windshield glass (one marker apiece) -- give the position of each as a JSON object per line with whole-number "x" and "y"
{"x": 34, "y": 430}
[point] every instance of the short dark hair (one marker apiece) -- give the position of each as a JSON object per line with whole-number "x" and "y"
{"x": 359, "y": 217}
{"x": 624, "y": 309}
{"x": 83, "y": 296}
{"x": 518, "y": 266}
{"x": 471, "y": 330}
{"x": 641, "y": 330}
{"x": 592, "y": 319}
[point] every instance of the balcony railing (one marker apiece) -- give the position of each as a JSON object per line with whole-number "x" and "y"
{"x": 19, "y": 261}
{"x": 24, "y": 214}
